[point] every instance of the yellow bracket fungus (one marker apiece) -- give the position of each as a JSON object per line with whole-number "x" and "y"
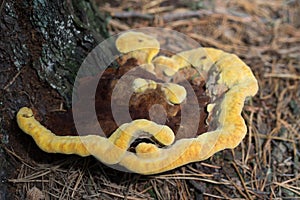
{"x": 138, "y": 45}
{"x": 228, "y": 82}
{"x": 174, "y": 93}
{"x": 109, "y": 151}
{"x": 141, "y": 85}
{"x": 168, "y": 65}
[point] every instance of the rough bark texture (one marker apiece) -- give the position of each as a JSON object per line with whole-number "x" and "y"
{"x": 52, "y": 36}
{"x": 42, "y": 46}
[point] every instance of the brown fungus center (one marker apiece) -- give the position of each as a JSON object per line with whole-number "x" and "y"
{"x": 151, "y": 104}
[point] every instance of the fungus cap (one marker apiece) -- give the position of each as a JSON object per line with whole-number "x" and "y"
{"x": 174, "y": 93}
{"x": 229, "y": 81}
{"x": 168, "y": 65}
{"x": 138, "y": 45}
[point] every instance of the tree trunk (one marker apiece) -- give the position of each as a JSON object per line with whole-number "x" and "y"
{"x": 52, "y": 36}
{"x": 42, "y": 45}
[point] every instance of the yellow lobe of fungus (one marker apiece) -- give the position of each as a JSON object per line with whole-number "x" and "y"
{"x": 139, "y": 45}
{"x": 163, "y": 134}
{"x": 175, "y": 93}
{"x": 148, "y": 67}
{"x": 141, "y": 85}
{"x": 145, "y": 150}
{"x": 167, "y": 64}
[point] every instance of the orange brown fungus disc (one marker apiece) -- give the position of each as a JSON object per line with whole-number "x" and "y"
{"x": 228, "y": 82}
{"x": 141, "y": 104}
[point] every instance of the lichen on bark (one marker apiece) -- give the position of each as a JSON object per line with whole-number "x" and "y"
{"x": 69, "y": 30}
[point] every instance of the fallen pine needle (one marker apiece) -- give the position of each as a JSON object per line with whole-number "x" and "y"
{"x": 287, "y": 76}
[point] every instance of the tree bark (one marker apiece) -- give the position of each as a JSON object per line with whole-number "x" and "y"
{"x": 51, "y": 36}
{"x": 42, "y": 45}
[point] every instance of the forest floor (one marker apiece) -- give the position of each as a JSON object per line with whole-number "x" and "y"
{"x": 265, "y": 35}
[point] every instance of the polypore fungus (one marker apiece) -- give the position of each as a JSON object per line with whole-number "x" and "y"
{"x": 138, "y": 45}
{"x": 173, "y": 92}
{"x": 228, "y": 81}
{"x": 109, "y": 151}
